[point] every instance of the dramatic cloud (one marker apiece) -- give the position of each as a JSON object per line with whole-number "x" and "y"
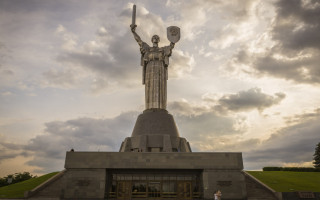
{"x": 85, "y": 134}
{"x": 248, "y": 100}
{"x": 303, "y": 69}
{"x": 290, "y": 49}
{"x": 241, "y": 28}
{"x": 185, "y": 108}
{"x": 292, "y": 144}
{"x": 47, "y": 151}
{"x": 297, "y": 24}
{"x": 251, "y": 99}
{"x": 181, "y": 65}
{"x": 108, "y": 58}
{"x": 190, "y": 118}
{"x": 9, "y": 150}
{"x": 193, "y": 15}
{"x": 215, "y": 120}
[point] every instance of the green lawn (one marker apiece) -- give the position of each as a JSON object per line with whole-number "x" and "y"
{"x": 17, "y": 190}
{"x": 286, "y": 181}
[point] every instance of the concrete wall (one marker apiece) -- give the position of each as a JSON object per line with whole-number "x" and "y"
{"x": 89, "y": 183}
{"x": 148, "y": 160}
{"x": 221, "y": 171}
{"x": 229, "y": 182}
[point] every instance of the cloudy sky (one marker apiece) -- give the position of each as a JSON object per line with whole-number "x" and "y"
{"x": 245, "y": 77}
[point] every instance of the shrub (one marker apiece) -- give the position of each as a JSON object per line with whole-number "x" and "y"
{"x": 292, "y": 169}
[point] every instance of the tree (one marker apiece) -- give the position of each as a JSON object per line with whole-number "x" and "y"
{"x": 15, "y": 178}
{"x": 316, "y": 157}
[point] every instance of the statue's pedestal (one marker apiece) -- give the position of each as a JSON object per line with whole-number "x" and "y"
{"x": 155, "y": 131}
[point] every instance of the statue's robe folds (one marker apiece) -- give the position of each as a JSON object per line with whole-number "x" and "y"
{"x": 155, "y": 61}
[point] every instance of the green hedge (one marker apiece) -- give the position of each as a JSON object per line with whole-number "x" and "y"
{"x": 292, "y": 169}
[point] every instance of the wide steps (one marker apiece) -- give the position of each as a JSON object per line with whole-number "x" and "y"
{"x": 257, "y": 191}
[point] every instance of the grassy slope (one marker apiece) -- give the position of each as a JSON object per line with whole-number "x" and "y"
{"x": 17, "y": 190}
{"x": 289, "y": 181}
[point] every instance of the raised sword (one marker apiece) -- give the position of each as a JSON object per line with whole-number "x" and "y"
{"x": 133, "y": 24}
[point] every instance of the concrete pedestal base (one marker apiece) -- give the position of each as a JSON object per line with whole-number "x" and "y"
{"x": 92, "y": 175}
{"x": 155, "y": 131}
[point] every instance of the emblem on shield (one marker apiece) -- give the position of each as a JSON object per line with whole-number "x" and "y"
{"x": 173, "y": 34}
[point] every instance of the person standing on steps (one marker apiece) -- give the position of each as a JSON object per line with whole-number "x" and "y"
{"x": 219, "y": 194}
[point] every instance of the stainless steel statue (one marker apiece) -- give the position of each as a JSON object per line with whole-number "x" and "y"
{"x": 155, "y": 62}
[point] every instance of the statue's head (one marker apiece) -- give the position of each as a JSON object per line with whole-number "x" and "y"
{"x": 155, "y": 39}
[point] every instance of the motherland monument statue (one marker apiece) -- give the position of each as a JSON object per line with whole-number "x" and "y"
{"x": 155, "y": 62}
{"x": 155, "y": 129}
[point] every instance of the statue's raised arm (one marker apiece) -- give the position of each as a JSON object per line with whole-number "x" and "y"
{"x": 133, "y": 26}
{"x": 135, "y": 35}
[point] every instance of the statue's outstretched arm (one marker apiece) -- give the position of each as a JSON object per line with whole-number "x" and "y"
{"x": 168, "y": 50}
{"x": 136, "y": 36}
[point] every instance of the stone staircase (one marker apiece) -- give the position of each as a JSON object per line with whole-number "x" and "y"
{"x": 49, "y": 190}
{"x": 256, "y": 190}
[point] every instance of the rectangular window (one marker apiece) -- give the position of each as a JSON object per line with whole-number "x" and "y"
{"x": 113, "y": 189}
{"x": 196, "y": 189}
{"x": 169, "y": 189}
{"x": 139, "y": 189}
{"x": 154, "y": 189}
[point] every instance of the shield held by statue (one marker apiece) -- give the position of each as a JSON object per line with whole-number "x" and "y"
{"x": 173, "y": 34}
